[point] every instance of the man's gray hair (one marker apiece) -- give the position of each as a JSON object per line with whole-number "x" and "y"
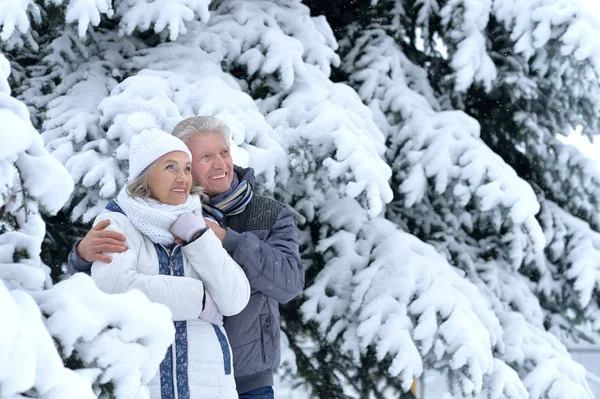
{"x": 200, "y": 124}
{"x": 139, "y": 188}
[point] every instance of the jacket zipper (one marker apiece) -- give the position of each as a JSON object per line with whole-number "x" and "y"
{"x": 173, "y": 348}
{"x": 262, "y": 334}
{"x": 262, "y": 346}
{"x": 174, "y": 351}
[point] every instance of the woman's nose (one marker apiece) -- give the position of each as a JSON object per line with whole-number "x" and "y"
{"x": 182, "y": 176}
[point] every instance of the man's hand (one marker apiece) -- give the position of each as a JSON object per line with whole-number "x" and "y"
{"x": 98, "y": 240}
{"x": 218, "y": 230}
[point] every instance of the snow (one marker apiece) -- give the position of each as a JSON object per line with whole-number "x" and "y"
{"x": 405, "y": 312}
{"x": 28, "y": 170}
{"x": 34, "y": 163}
{"x": 587, "y": 355}
{"x": 44, "y": 325}
{"x": 88, "y": 325}
{"x": 161, "y": 14}
{"x": 28, "y": 274}
{"x": 470, "y": 60}
{"x": 28, "y": 357}
{"x": 426, "y": 244}
{"x": 444, "y": 147}
{"x": 129, "y": 352}
{"x": 86, "y": 12}
{"x": 13, "y": 15}
{"x": 532, "y": 23}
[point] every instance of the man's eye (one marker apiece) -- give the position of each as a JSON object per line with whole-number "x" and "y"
{"x": 225, "y": 153}
{"x": 169, "y": 167}
{"x": 188, "y": 168}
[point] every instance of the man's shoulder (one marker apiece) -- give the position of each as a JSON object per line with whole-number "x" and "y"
{"x": 261, "y": 213}
{"x": 265, "y": 201}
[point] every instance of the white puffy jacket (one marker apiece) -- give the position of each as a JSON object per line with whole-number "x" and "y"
{"x": 198, "y": 365}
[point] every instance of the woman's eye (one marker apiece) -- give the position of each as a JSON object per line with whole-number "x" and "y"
{"x": 188, "y": 168}
{"x": 169, "y": 167}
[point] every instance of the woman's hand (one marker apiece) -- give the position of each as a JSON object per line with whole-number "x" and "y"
{"x": 188, "y": 225}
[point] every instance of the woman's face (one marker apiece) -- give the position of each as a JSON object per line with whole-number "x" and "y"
{"x": 170, "y": 178}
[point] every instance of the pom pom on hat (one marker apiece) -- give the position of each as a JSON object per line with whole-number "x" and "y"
{"x": 149, "y": 145}
{"x": 136, "y": 122}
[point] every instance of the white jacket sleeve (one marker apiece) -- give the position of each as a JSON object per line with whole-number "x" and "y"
{"x": 182, "y": 295}
{"x": 222, "y": 276}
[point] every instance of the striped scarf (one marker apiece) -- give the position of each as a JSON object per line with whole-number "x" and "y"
{"x": 231, "y": 204}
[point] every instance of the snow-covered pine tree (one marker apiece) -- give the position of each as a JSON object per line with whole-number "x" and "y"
{"x": 434, "y": 224}
{"x": 30, "y": 179}
{"x": 413, "y": 64}
{"x": 526, "y": 72}
{"x": 69, "y": 340}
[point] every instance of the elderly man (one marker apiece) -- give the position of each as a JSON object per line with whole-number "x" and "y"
{"x": 259, "y": 234}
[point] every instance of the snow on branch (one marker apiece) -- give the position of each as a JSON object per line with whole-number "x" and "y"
{"x": 415, "y": 312}
{"x": 565, "y": 27}
{"x": 574, "y": 249}
{"x": 143, "y": 15}
{"x": 273, "y": 40}
{"x": 443, "y": 148}
{"x": 118, "y": 352}
{"x": 13, "y": 16}
{"x": 569, "y": 177}
{"x": 334, "y": 147}
{"x": 160, "y": 15}
{"x": 533, "y": 24}
{"x": 29, "y": 361}
{"x": 68, "y": 97}
{"x": 31, "y": 181}
{"x": 440, "y": 153}
{"x": 543, "y": 363}
{"x": 86, "y": 12}
{"x": 466, "y": 21}
{"x": 4, "y": 74}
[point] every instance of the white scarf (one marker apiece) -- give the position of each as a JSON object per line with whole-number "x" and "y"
{"x": 153, "y": 218}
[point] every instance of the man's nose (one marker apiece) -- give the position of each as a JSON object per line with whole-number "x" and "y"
{"x": 219, "y": 163}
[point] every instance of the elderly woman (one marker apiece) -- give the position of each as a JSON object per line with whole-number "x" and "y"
{"x": 175, "y": 260}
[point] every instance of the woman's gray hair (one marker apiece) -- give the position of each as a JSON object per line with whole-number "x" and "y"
{"x": 200, "y": 124}
{"x": 138, "y": 187}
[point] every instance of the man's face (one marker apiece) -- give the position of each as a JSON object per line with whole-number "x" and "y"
{"x": 212, "y": 166}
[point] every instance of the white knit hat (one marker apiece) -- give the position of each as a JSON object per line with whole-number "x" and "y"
{"x": 149, "y": 145}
